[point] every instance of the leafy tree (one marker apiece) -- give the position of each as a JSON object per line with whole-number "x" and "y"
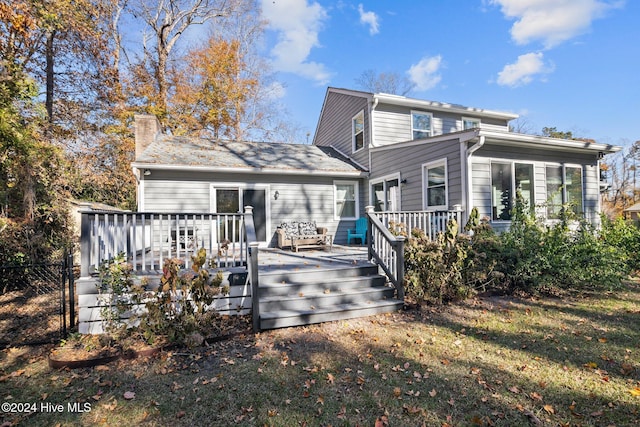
{"x": 211, "y": 92}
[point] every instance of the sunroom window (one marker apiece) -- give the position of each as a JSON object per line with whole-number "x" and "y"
{"x": 564, "y": 186}
{"x": 506, "y": 179}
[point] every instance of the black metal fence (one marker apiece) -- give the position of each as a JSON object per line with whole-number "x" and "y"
{"x": 37, "y": 302}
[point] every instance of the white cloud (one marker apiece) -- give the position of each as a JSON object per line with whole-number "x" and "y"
{"x": 425, "y": 74}
{"x": 552, "y": 21}
{"x": 298, "y": 24}
{"x": 524, "y": 70}
{"x": 370, "y": 19}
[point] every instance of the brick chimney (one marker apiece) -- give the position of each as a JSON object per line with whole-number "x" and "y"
{"x": 147, "y": 127}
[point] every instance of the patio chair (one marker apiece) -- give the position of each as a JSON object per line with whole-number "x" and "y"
{"x": 360, "y": 231}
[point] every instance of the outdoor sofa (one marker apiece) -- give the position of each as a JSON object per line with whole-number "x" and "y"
{"x": 302, "y": 234}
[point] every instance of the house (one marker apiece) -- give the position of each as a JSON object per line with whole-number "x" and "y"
{"x": 378, "y": 156}
{"x": 424, "y": 155}
{"x": 633, "y": 212}
{"x": 392, "y": 152}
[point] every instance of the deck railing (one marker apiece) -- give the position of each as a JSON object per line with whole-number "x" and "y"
{"x": 147, "y": 238}
{"x": 431, "y": 222}
{"x": 386, "y": 250}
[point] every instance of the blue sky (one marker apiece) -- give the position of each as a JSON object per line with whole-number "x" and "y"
{"x": 569, "y": 64}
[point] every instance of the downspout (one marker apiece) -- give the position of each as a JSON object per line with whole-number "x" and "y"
{"x": 373, "y": 106}
{"x": 470, "y": 152}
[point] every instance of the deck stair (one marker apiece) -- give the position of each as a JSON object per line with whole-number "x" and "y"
{"x": 313, "y": 295}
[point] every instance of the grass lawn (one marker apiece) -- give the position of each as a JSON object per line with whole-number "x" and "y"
{"x": 492, "y": 361}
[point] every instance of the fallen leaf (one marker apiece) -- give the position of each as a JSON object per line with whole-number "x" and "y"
{"x": 128, "y": 395}
{"x": 549, "y": 409}
{"x": 635, "y": 391}
{"x": 602, "y": 340}
{"x": 397, "y": 391}
{"x": 514, "y": 389}
{"x": 535, "y": 396}
{"x": 433, "y": 393}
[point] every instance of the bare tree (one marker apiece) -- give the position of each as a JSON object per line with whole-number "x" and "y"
{"x": 168, "y": 20}
{"x": 392, "y": 83}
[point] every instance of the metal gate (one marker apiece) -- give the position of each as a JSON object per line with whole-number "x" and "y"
{"x": 36, "y": 302}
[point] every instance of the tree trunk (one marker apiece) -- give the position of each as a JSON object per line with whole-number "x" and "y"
{"x": 50, "y": 56}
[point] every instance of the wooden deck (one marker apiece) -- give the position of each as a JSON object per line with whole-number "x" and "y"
{"x": 274, "y": 260}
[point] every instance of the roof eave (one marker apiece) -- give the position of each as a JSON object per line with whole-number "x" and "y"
{"x": 437, "y": 106}
{"x": 567, "y": 144}
{"x": 248, "y": 170}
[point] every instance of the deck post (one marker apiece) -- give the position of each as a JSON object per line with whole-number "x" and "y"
{"x": 400, "y": 266}
{"x": 252, "y": 266}
{"x": 369, "y": 211}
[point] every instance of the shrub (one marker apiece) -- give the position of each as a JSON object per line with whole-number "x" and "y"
{"x": 178, "y": 311}
{"x": 624, "y": 236}
{"x": 529, "y": 257}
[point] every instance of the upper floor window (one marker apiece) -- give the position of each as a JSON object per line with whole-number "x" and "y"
{"x": 469, "y": 123}
{"x": 434, "y": 178}
{"x": 421, "y": 124}
{"x": 358, "y": 131}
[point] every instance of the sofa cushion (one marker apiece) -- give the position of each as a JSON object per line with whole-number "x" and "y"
{"x": 307, "y": 228}
{"x": 290, "y": 228}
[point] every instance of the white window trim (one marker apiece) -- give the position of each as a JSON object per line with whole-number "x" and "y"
{"x": 382, "y": 180}
{"x": 473, "y": 119}
{"x": 353, "y": 133}
{"x": 356, "y": 184}
{"x": 513, "y": 180}
{"x": 423, "y": 113}
{"x": 425, "y": 183}
{"x": 564, "y": 167}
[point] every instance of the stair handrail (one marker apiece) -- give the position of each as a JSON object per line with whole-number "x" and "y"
{"x": 252, "y": 265}
{"x": 386, "y": 249}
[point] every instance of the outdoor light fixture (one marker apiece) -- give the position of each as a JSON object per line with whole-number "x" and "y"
{"x": 276, "y": 195}
{"x": 147, "y": 172}
{"x": 403, "y": 181}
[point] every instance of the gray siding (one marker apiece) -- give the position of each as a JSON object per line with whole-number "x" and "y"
{"x": 409, "y": 160}
{"x": 335, "y": 127}
{"x": 300, "y": 197}
{"x": 481, "y": 176}
{"x": 392, "y": 123}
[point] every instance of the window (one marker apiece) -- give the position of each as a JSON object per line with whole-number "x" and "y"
{"x": 386, "y": 194}
{"x": 468, "y": 123}
{"x": 358, "y": 131}
{"x": 573, "y": 188}
{"x": 564, "y": 186}
{"x": 346, "y": 199}
{"x": 434, "y": 177}
{"x": 421, "y": 125}
{"x": 507, "y": 178}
